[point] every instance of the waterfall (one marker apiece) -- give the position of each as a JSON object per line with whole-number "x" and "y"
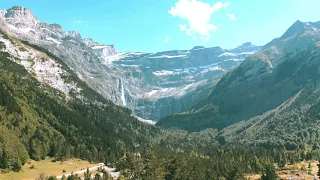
{"x": 123, "y": 98}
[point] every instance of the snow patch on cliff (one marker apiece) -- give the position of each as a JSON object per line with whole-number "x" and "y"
{"x": 168, "y": 56}
{"x": 235, "y": 54}
{"x": 174, "y": 91}
{"x": 101, "y": 47}
{"x": 53, "y": 40}
{"x": 227, "y": 54}
{"x": 147, "y": 121}
{"x": 26, "y": 30}
{"x": 165, "y": 73}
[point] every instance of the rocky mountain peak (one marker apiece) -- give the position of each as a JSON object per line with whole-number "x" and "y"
{"x": 247, "y": 44}
{"x": 74, "y": 34}
{"x": 297, "y": 28}
{"x": 197, "y": 47}
{"x": 312, "y": 25}
{"x": 89, "y": 42}
{"x": 56, "y": 26}
{"x": 316, "y": 24}
{"x": 18, "y": 14}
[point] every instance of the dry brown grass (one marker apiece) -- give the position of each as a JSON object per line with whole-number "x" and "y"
{"x": 48, "y": 168}
{"x": 295, "y": 171}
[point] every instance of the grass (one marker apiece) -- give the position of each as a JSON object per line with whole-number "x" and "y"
{"x": 22, "y": 47}
{"x": 294, "y": 171}
{"x": 33, "y": 169}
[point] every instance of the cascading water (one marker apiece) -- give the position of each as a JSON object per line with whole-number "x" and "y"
{"x": 123, "y": 98}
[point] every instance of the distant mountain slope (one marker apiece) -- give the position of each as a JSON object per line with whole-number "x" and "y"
{"x": 293, "y": 124}
{"x": 262, "y": 82}
{"x": 152, "y": 85}
{"x": 46, "y": 110}
{"x": 174, "y": 81}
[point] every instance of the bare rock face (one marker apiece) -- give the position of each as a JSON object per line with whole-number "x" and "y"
{"x": 3, "y": 26}
{"x": 69, "y": 46}
{"x": 21, "y": 16}
{"x": 152, "y": 85}
{"x": 106, "y": 53}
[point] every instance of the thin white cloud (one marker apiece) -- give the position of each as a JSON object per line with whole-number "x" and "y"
{"x": 198, "y": 14}
{"x": 81, "y": 22}
{"x": 232, "y": 17}
{"x": 167, "y": 39}
{"x": 182, "y": 27}
{"x": 78, "y": 21}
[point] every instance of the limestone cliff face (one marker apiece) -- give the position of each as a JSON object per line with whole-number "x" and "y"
{"x": 175, "y": 81}
{"x": 152, "y": 85}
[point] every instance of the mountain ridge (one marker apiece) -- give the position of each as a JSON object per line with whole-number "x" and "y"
{"x": 271, "y": 72}
{"x": 107, "y": 70}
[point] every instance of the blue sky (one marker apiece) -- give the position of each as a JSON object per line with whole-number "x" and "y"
{"x": 159, "y": 25}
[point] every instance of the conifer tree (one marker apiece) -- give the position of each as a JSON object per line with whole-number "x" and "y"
{"x": 87, "y": 175}
{"x": 269, "y": 173}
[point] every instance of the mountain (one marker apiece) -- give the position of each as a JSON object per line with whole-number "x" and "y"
{"x": 46, "y": 110}
{"x": 293, "y": 124}
{"x": 175, "y": 81}
{"x": 264, "y": 81}
{"x": 262, "y": 112}
{"x": 152, "y": 85}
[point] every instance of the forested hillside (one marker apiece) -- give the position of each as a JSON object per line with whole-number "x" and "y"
{"x": 39, "y": 121}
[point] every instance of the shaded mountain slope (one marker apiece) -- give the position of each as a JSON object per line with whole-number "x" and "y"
{"x": 293, "y": 124}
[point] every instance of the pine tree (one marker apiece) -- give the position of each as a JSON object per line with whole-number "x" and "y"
{"x": 234, "y": 174}
{"x": 171, "y": 169}
{"x": 64, "y": 177}
{"x": 87, "y": 175}
{"x": 52, "y": 178}
{"x": 97, "y": 177}
{"x": 283, "y": 161}
{"x": 269, "y": 173}
{"x": 5, "y": 163}
{"x": 106, "y": 175}
{"x": 17, "y": 166}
